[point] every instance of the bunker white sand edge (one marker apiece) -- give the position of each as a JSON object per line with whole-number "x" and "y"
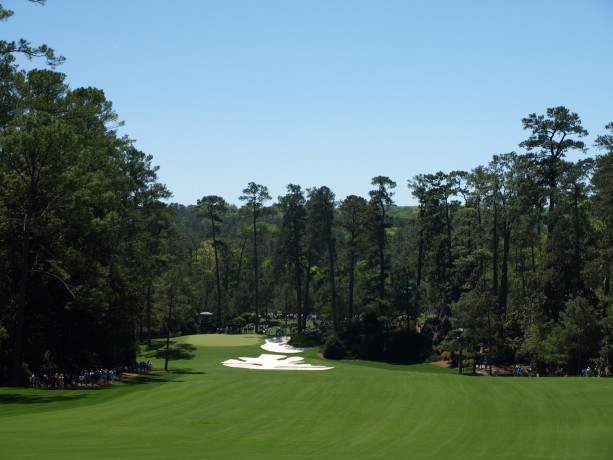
{"x": 275, "y": 362}
{"x": 280, "y": 345}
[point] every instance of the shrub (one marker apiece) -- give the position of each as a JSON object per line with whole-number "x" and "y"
{"x": 334, "y": 348}
{"x": 433, "y": 358}
{"x": 372, "y": 346}
{"x": 404, "y": 347}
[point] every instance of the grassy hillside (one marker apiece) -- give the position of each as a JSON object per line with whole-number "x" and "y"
{"x": 358, "y": 410}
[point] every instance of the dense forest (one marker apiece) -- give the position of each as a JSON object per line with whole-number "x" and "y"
{"x": 512, "y": 258}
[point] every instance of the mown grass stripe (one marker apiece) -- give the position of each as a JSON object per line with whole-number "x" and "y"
{"x": 358, "y": 410}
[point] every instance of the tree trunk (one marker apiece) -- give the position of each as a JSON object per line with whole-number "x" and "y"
{"x": 553, "y": 185}
{"x": 255, "y": 272}
{"x": 448, "y": 225}
{"x": 420, "y": 258}
{"x": 23, "y": 289}
{"x": 168, "y": 326}
{"x": 495, "y": 252}
{"x": 240, "y": 264}
{"x": 298, "y": 286}
{"x": 577, "y": 265}
{"x": 332, "y": 284}
{"x": 307, "y": 300}
{"x": 217, "y": 278}
{"x": 149, "y": 315}
{"x": 382, "y": 258}
{"x": 351, "y": 282}
{"x": 504, "y": 280}
{"x": 23, "y": 293}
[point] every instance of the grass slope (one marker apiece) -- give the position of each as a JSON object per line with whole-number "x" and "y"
{"x": 358, "y": 410}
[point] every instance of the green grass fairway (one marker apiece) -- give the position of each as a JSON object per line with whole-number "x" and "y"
{"x": 358, "y": 410}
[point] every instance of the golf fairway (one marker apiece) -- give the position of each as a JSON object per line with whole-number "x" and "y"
{"x": 202, "y": 409}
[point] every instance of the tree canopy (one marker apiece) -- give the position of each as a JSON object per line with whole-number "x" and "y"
{"x": 515, "y": 254}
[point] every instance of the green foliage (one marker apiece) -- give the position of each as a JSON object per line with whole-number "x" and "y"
{"x": 306, "y": 340}
{"x": 403, "y": 347}
{"x": 436, "y": 329}
{"x": 371, "y": 342}
{"x": 371, "y": 346}
{"x": 8, "y": 49}
{"x": 517, "y": 253}
{"x": 79, "y": 205}
{"x": 334, "y": 347}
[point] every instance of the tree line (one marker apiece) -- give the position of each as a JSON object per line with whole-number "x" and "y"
{"x": 79, "y": 206}
{"x": 512, "y": 257}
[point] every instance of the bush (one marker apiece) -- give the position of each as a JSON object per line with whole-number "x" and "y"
{"x": 399, "y": 346}
{"x": 372, "y": 346}
{"x": 334, "y": 348}
{"x": 305, "y": 341}
{"x": 404, "y": 347}
{"x": 436, "y": 329}
{"x": 433, "y": 358}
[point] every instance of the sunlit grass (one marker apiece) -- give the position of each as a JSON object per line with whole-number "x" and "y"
{"x": 358, "y": 410}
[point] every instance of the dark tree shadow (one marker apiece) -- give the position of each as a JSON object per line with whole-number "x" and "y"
{"x": 143, "y": 379}
{"x": 40, "y": 399}
{"x": 176, "y": 351}
{"x": 185, "y": 371}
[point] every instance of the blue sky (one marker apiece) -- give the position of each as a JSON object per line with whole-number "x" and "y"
{"x": 328, "y": 92}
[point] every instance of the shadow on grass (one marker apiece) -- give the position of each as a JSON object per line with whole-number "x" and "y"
{"x": 142, "y": 379}
{"x": 185, "y": 371}
{"x": 40, "y": 399}
{"x": 175, "y": 351}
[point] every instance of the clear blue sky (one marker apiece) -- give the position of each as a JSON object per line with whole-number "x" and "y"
{"x": 328, "y": 92}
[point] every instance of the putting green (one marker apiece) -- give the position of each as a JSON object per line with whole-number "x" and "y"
{"x": 220, "y": 340}
{"x": 358, "y": 410}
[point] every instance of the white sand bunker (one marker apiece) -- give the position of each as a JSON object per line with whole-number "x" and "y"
{"x": 273, "y": 362}
{"x": 280, "y": 345}
{"x": 276, "y": 362}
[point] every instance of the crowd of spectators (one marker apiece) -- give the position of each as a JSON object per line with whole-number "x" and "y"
{"x": 521, "y": 371}
{"x": 88, "y": 378}
{"x": 595, "y": 372}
